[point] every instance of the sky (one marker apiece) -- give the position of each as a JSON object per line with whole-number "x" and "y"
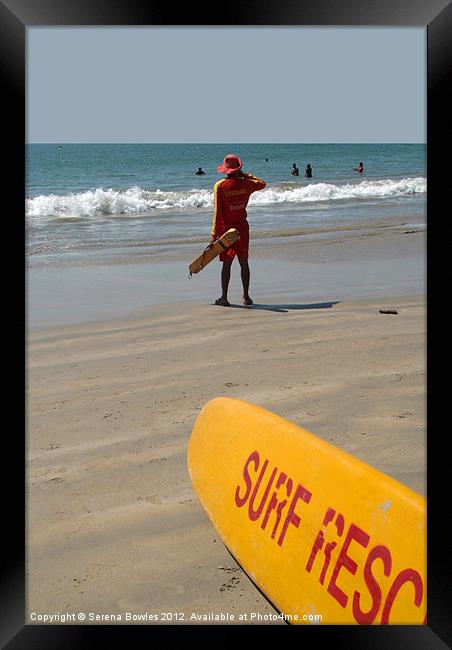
{"x": 226, "y": 84}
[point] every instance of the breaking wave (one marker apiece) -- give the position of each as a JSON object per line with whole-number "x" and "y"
{"x": 135, "y": 200}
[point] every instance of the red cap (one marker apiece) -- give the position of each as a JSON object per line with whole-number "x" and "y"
{"x": 231, "y": 164}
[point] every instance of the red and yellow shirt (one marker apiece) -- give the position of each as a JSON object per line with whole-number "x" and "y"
{"x": 231, "y": 196}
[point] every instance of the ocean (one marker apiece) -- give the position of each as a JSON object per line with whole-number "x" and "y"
{"x": 111, "y": 228}
{"x": 87, "y": 199}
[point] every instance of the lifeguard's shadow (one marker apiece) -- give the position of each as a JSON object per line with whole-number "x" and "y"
{"x": 284, "y": 308}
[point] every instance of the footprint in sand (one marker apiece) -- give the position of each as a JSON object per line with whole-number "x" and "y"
{"x": 230, "y": 584}
{"x": 52, "y": 446}
{"x": 153, "y": 460}
{"x": 78, "y": 582}
{"x": 55, "y": 479}
{"x": 153, "y": 498}
{"x": 229, "y": 569}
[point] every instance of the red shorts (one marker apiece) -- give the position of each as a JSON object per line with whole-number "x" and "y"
{"x": 241, "y": 247}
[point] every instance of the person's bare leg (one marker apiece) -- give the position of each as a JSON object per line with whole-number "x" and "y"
{"x": 245, "y": 273}
{"x": 225, "y": 277}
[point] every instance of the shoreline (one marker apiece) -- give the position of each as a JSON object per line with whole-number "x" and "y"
{"x": 347, "y": 263}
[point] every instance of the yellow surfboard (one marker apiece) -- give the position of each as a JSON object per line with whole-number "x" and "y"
{"x": 326, "y": 537}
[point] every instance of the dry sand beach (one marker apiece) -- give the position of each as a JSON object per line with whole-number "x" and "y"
{"x": 113, "y": 525}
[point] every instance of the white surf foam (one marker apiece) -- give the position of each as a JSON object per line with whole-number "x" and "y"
{"x": 137, "y": 200}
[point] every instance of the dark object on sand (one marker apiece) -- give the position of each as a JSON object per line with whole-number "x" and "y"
{"x": 388, "y": 311}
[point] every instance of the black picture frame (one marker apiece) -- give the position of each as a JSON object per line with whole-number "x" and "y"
{"x": 15, "y": 17}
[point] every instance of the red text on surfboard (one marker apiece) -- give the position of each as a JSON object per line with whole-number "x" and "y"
{"x": 380, "y": 555}
{"x": 276, "y": 501}
{"x": 283, "y": 494}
